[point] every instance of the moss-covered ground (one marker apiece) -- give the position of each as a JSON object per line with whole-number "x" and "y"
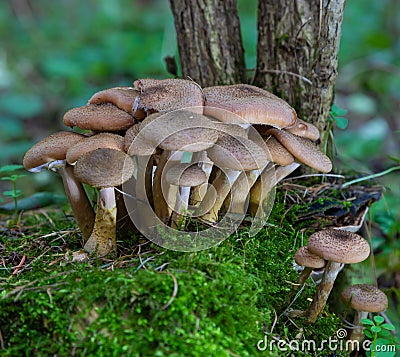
{"x": 229, "y": 300}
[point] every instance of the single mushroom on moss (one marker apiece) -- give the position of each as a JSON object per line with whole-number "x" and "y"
{"x": 363, "y": 298}
{"x": 337, "y": 247}
{"x": 50, "y": 153}
{"x": 104, "y": 169}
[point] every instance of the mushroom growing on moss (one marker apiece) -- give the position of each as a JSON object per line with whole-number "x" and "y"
{"x": 104, "y": 169}
{"x": 337, "y": 247}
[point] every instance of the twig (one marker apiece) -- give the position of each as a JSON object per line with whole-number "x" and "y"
{"x": 365, "y": 178}
{"x": 1, "y": 341}
{"x": 21, "y": 263}
{"x": 174, "y": 292}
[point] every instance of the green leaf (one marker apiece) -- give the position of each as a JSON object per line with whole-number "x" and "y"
{"x": 389, "y": 327}
{"x": 384, "y": 333}
{"x": 368, "y": 333}
{"x": 367, "y": 322}
{"x": 376, "y": 329}
{"x": 338, "y": 111}
{"x": 341, "y": 122}
{"x": 13, "y": 194}
{"x": 379, "y": 319}
{"x": 22, "y": 105}
{"x": 9, "y": 168}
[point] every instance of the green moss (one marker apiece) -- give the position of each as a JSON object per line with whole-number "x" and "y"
{"x": 226, "y": 299}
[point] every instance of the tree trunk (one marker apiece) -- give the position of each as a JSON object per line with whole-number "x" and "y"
{"x": 209, "y": 41}
{"x": 297, "y": 54}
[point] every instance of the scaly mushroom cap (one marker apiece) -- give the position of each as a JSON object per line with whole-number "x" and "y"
{"x": 237, "y": 154}
{"x": 181, "y": 130}
{"x": 365, "y": 298}
{"x": 303, "y": 150}
{"x": 230, "y": 129}
{"x": 135, "y": 144}
{"x": 101, "y": 140}
{"x": 304, "y": 129}
{"x": 104, "y": 168}
{"x": 99, "y": 117}
{"x": 166, "y": 95}
{"x": 307, "y": 259}
{"x": 339, "y": 246}
{"x": 188, "y": 175}
{"x": 122, "y": 97}
{"x": 51, "y": 148}
{"x": 254, "y": 105}
{"x": 277, "y": 152}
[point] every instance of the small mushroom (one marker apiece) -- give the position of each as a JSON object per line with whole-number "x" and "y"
{"x": 99, "y": 117}
{"x": 309, "y": 261}
{"x": 121, "y": 97}
{"x": 104, "y": 169}
{"x": 363, "y": 298}
{"x": 304, "y": 129}
{"x": 252, "y": 104}
{"x": 303, "y": 150}
{"x": 337, "y": 247}
{"x": 50, "y": 154}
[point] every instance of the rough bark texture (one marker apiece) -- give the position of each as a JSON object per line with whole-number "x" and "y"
{"x": 209, "y": 41}
{"x": 297, "y": 54}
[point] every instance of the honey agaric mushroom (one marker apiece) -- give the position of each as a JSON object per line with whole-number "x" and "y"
{"x": 99, "y": 117}
{"x": 337, "y": 247}
{"x": 303, "y": 150}
{"x": 121, "y": 97}
{"x": 308, "y": 261}
{"x": 166, "y": 95}
{"x": 304, "y": 129}
{"x": 232, "y": 156}
{"x": 50, "y": 154}
{"x": 252, "y": 104}
{"x": 101, "y": 140}
{"x": 363, "y": 298}
{"x": 104, "y": 169}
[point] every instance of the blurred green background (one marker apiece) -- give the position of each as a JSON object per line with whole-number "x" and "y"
{"x": 56, "y": 54}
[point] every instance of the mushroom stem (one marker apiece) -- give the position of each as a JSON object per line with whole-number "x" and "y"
{"x": 320, "y": 298}
{"x": 80, "y": 204}
{"x": 160, "y": 204}
{"x": 357, "y": 333}
{"x": 103, "y": 238}
{"x": 221, "y": 186}
{"x": 303, "y": 276}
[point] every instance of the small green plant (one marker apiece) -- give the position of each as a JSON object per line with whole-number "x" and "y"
{"x": 13, "y": 177}
{"x": 383, "y": 342}
{"x": 336, "y": 115}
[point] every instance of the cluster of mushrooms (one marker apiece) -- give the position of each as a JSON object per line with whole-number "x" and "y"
{"x": 181, "y": 147}
{"x": 329, "y": 249}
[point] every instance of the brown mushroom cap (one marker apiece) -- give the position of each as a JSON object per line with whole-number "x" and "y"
{"x": 101, "y": 140}
{"x": 304, "y": 129}
{"x": 51, "y": 148}
{"x": 166, "y": 95}
{"x": 237, "y": 154}
{"x": 303, "y": 150}
{"x": 181, "y": 130}
{"x": 307, "y": 259}
{"x": 277, "y": 152}
{"x": 254, "y": 105}
{"x": 135, "y": 144}
{"x": 339, "y": 246}
{"x": 104, "y": 168}
{"x": 365, "y": 297}
{"x": 122, "y": 97}
{"x": 188, "y": 175}
{"x": 99, "y": 117}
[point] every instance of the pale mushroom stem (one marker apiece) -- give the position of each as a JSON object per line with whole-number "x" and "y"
{"x": 161, "y": 208}
{"x": 103, "y": 238}
{"x": 320, "y": 298}
{"x": 357, "y": 333}
{"x": 303, "y": 276}
{"x": 222, "y": 185}
{"x": 80, "y": 204}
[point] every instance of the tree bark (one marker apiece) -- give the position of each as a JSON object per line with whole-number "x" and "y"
{"x": 209, "y": 41}
{"x": 297, "y": 55}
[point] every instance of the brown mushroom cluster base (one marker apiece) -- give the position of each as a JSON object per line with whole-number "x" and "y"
{"x": 188, "y": 153}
